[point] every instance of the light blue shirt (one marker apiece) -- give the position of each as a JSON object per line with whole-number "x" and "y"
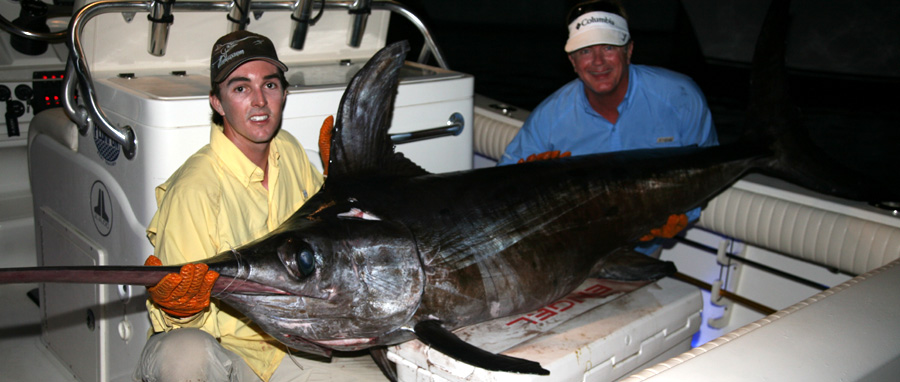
{"x": 661, "y": 109}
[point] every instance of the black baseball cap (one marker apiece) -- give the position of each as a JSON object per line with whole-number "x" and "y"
{"x": 236, "y": 48}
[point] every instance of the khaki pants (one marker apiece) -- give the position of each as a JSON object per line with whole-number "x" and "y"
{"x": 194, "y": 355}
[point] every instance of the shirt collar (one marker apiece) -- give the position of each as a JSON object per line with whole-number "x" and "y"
{"x": 235, "y": 161}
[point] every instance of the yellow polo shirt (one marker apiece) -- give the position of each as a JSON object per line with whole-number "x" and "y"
{"x": 214, "y": 202}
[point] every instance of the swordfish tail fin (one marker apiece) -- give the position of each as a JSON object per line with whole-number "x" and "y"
{"x": 775, "y": 121}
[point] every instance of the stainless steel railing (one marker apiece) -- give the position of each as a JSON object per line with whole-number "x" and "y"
{"x": 78, "y": 74}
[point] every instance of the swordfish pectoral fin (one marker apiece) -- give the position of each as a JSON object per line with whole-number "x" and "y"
{"x": 433, "y": 334}
{"x": 379, "y": 355}
{"x": 626, "y": 264}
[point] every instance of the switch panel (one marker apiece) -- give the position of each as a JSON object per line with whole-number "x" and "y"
{"x": 47, "y": 90}
{"x": 20, "y": 101}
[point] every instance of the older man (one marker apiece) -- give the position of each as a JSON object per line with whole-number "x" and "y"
{"x": 613, "y": 105}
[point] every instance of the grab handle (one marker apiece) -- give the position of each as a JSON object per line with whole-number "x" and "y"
{"x": 455, "y": 126}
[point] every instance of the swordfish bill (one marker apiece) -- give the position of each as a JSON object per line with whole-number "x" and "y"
{"x": 386, "y": 252}
{"x": 120, "y": 275}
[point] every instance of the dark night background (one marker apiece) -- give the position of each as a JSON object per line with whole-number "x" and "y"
{"x": 843, "y": 59}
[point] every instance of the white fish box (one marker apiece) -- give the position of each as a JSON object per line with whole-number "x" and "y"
{"x": 602, "y": 331}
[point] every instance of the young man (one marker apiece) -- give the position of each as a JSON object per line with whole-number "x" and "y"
{"x": 613, "y": 105}
{"x": 249, "y": 179}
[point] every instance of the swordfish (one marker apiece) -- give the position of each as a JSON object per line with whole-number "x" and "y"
{"x": 386, "y": 252}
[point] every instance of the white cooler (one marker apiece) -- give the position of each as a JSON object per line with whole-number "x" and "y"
{"x": 602, "y": 331}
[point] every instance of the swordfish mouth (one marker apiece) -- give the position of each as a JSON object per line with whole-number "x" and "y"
{"x": 320, "y": 326}
{"x": 227, "y": 285}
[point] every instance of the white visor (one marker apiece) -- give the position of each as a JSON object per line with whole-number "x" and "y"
{"x": 594, "y": 28}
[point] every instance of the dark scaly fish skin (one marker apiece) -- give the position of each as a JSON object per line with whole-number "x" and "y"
{"x": 462, "y": 247}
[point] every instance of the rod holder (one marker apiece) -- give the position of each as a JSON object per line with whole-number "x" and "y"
{"x": 239, "y": 16}
{"x": 300, "y": 22}
{"x": 360, "y": 9}
{"x": 160, "y": 18}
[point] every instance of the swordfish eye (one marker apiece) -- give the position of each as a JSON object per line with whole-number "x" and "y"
{"x": 298, "y": 258}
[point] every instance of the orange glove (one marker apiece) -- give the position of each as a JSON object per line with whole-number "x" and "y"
{"x": 183, "y": 294}
{"x": 545, "y": 156}
{"x": 325, "y": 142}
{"x": 673, "y": 226}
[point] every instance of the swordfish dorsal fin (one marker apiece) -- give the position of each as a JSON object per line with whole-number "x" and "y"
{"x": 360, "y": 145}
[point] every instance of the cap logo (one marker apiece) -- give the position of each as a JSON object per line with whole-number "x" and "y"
{"x": 225, "y": 53}
{"x": 592, "y": 20}
{"x": 224, "y": 58}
